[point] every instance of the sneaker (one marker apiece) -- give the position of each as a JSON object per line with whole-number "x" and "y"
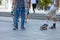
{"x": 22, "y": 28}
{"x": 53, "y": 27}
{"x": 15, "y": 28}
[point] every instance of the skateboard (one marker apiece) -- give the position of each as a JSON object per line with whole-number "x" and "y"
{"x": 43, "y": 27}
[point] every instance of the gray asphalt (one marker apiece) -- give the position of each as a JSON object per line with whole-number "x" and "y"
{"x": 32, "y": 31}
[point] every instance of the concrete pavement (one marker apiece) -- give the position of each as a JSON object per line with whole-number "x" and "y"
{"x": 32, "y": 31}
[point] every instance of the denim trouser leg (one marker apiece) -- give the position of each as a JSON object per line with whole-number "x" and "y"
{"x": 22, "y": 17}
{"x": 16, "y": 14}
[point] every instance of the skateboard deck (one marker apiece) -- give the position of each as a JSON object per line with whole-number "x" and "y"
{"x": 43, "y": 27}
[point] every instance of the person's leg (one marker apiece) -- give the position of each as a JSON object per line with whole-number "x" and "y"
{"x": 46, "y": 22}
{"x": 47, "y": 17}
{"x": 16, "y": 13}
{"x": 28, "y": 12}
{"x": 45, "y": 25}
{"x": 12, "y": 14}
{"x": 54, "y": 20}
{"x": 22, "y": 18}
{"x": 33, "y": 7}
{"x": 26, "y": 18}
{"x": 26, "y": 15}
{"x": 18, "y": 17}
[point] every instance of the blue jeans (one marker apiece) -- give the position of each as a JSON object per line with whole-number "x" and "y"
{"x": 17, "y": 12}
